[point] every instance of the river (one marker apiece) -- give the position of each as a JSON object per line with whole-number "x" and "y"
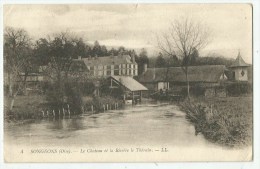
{"x": 150, "y": 124}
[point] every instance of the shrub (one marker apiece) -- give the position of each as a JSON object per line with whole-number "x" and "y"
{"x": 55, "y": 93}
{"x": 197, "y": 90}
{"x": 226, "y": 122}
{"x": 239, "y": 88}
{"x": 74, "y": 97}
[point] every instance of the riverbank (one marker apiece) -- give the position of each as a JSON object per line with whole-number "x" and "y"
{"x": 226, "y": 121}
{"x": 27, "y": 108}
{"x": 153, "y": 123}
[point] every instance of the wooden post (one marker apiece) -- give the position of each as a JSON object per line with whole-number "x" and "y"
{"x": 133, "y": 98}
{"x": 140, "y": 95}
{"x": 42, "y": 113}
{"x": 104, "y": 107}
{"x": 69, "y": 109}
{"x": 92, "y": 108}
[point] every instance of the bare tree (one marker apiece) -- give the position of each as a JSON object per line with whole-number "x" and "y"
{"x": 61, "y": 49}
{"x": 17, "y": 60}
{"x": 183, "y": 39}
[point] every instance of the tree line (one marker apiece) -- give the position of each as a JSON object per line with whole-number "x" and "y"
{"x": 162, "y": 61}
{"x": 23, "y": 56}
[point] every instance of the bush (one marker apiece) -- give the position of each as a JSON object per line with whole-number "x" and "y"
{"x": 197, "y": 90}
{"x": 227, "y": 122}
{"x": 55, "y": 93}
{"x": 239, "y": 88}
{"x": 98, "y": 102}
{"x": 45, "y": 86}
{"x": 74, "y": 97}
{"x": 183, "y": 91}
{"x": 87, "y": 88}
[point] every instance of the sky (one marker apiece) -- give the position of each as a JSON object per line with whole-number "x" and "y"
{"x": 137, "y": 25}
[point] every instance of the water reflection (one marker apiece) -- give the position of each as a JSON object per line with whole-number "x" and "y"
{"x": 151, "y": 123}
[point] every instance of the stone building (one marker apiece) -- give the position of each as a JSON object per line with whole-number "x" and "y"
{"x": 122, "y": 65}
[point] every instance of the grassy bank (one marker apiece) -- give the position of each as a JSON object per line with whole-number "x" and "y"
{"x": 25, "y": 107}
{"x": 31, "y": 107}
{"x": 226, "y": 121}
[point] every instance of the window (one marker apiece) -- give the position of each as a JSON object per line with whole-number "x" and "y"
{"x": 242, "y": 73}
{"x": 108, "y": 72}
{"x": 132, "y": 72}
{"x": 123, "y": 71}
{"x": 116, "y": 72}
{"x": 135, "y": 73}
{"x": 108, "y": 66}
{"x": 100, "y": 67}
{"x": 100, "y": 73}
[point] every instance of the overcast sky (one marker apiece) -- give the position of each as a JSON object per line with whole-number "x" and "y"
{"x": 136, "y": 26}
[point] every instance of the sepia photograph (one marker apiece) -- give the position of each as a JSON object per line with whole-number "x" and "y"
{"x": 128, "y": 82}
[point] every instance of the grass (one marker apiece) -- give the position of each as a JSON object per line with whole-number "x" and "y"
{"x": 25, "y": 107}
{"x": 30, "y": 106}
{"x": 227, "y": 121}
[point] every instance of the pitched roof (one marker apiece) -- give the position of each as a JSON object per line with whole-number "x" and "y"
{"x": 78, "y": 65}
{"x": 239, "y": 62}
{"x": 107, "y": 60}
{"x": 129, "y": 83}
{"x": 205, "y": 73}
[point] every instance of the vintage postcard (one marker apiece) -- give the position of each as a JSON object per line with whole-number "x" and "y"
{"x": 128, "y": 82}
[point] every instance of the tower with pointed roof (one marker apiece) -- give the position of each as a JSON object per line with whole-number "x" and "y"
{"x": 239, "y": 68}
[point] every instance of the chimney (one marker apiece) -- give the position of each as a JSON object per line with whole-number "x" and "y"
{"x": 145, "y": 67}
{"x": 96, "y": 56}
{"x": 133, "y": 57}
{"x": 79, "y": 57}
{"x": 89, "y": 57}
